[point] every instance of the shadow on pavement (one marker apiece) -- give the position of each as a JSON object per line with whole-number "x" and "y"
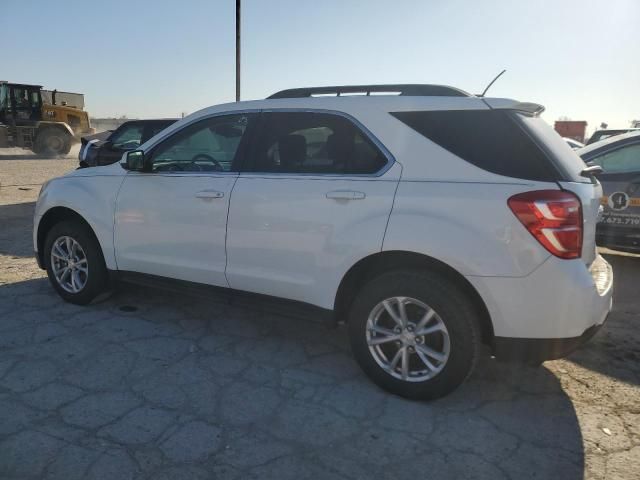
{"x": 191, "y": 380}
{"x": 15, "y": 229}
{"x": 615, "y": 350}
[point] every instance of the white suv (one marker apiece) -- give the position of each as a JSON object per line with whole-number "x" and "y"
{"x": 429, "y": 220}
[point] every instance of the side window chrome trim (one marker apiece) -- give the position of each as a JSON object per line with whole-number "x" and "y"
{"x": 390, "y": 159}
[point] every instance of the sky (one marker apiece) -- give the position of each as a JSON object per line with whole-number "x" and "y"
{"x": 155, "y": 58}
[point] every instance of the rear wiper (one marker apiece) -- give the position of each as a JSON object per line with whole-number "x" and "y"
{"x": 591, "y": 171}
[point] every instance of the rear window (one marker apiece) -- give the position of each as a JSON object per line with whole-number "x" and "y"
{"x": 489, "y": 139}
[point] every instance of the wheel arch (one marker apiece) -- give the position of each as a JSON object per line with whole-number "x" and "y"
{"x": 52, "y": 217}
{"x": 381, "y": 262}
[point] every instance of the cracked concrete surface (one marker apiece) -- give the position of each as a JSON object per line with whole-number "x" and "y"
{"x": 192, "y": 388}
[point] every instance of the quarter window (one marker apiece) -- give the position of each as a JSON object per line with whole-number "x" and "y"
{"x": 313, "y": 143}
{"x": 488, "y": 139}
{"x": 623, "y": 160}
{"x": 210, "y": 145}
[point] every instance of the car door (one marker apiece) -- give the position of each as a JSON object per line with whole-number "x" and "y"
{"x": 621, "y": 185}
{"x": 171, "y": 220}
{"x": 315, "y": 197}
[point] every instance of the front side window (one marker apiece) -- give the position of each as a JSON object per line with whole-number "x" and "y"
{"x": 313, "y": 143}
{"x": 210, "y": 145}
{"x": 127, "y": 138}
{"x": 622, "y": 160}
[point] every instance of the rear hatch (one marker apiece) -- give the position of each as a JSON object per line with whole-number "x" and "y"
{"x": 511, "y": 140}
{"x": 570, "y": 167}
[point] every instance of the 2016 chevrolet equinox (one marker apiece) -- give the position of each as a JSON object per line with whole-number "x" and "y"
{"x": 430, "y": 220}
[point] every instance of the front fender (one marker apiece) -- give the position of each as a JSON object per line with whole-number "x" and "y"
{"x": 93, "y": 198}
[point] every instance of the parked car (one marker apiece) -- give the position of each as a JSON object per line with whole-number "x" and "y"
{"x": 573, "y": 143}
{"x": 430, "y": 221}
{"x": 602, "y": 134}
{"x": 105, "y": 148}
{"x": 619, "y": 157}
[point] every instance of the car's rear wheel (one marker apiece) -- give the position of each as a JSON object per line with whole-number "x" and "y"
{"x": 74, "y": 262}
{"x": 415, "y": 333}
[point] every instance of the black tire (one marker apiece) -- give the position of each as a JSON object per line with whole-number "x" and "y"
{"x": 97, "y": 280}
{"x": 453, "y": 307}
{"x": 52, "y": 141}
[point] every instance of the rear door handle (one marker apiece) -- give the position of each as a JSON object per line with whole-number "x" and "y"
{"x": 345, "y": 195}
{"x": 209, "y": 194}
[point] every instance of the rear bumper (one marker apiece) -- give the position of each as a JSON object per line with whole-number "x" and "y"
{"x": 540, "y": 349}
{"x": 548, "y": 312}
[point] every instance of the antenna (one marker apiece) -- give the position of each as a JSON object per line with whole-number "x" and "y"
{"x": 492, "y": 82}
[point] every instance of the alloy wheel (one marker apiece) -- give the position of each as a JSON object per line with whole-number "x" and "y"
{"x": 69, "y": 264}
{"x": 408, "y": 339}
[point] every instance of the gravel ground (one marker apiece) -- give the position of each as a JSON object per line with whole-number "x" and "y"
{"x": 149, "y": 384}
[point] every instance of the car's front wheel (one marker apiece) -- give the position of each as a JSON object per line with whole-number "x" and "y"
{"x": 414, "y": 333}
{"x": 74, "y": 262}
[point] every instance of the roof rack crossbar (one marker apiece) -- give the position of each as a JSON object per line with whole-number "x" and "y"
{"x": 407, "y": 90}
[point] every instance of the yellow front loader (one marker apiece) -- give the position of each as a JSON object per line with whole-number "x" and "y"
{"x": 46, "y": 122}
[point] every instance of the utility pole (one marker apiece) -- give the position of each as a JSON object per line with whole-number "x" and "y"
{"x": 238, "y": 50}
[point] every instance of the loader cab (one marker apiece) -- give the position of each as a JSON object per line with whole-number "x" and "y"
{"x": 20, "y": 104}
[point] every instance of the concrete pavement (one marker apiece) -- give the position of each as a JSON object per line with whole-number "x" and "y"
{"x": 154, "y": 384}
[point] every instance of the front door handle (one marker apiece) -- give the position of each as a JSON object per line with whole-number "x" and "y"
{"x": 345, "y": 195}
{"x": 209, "y": 194}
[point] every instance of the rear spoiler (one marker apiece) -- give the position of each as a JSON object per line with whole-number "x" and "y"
{"x": 527, "y": 108}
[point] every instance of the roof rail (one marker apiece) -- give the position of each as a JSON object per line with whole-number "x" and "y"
{"x": 407, "y": 90}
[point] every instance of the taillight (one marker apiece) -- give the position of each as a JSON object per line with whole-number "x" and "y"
{"x": 553, "y": 217}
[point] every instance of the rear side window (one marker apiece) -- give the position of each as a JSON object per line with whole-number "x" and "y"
{"x": 313, "y": 143}
{"x": 488, "y": 139}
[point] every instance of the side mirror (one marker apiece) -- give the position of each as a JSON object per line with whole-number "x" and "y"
{"x": 134, "y": 161}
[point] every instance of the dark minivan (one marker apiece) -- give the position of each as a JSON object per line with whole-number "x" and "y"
{"x": 107, "y": 147}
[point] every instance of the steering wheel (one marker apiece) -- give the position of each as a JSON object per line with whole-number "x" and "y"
{"x": 207, "y": 158}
